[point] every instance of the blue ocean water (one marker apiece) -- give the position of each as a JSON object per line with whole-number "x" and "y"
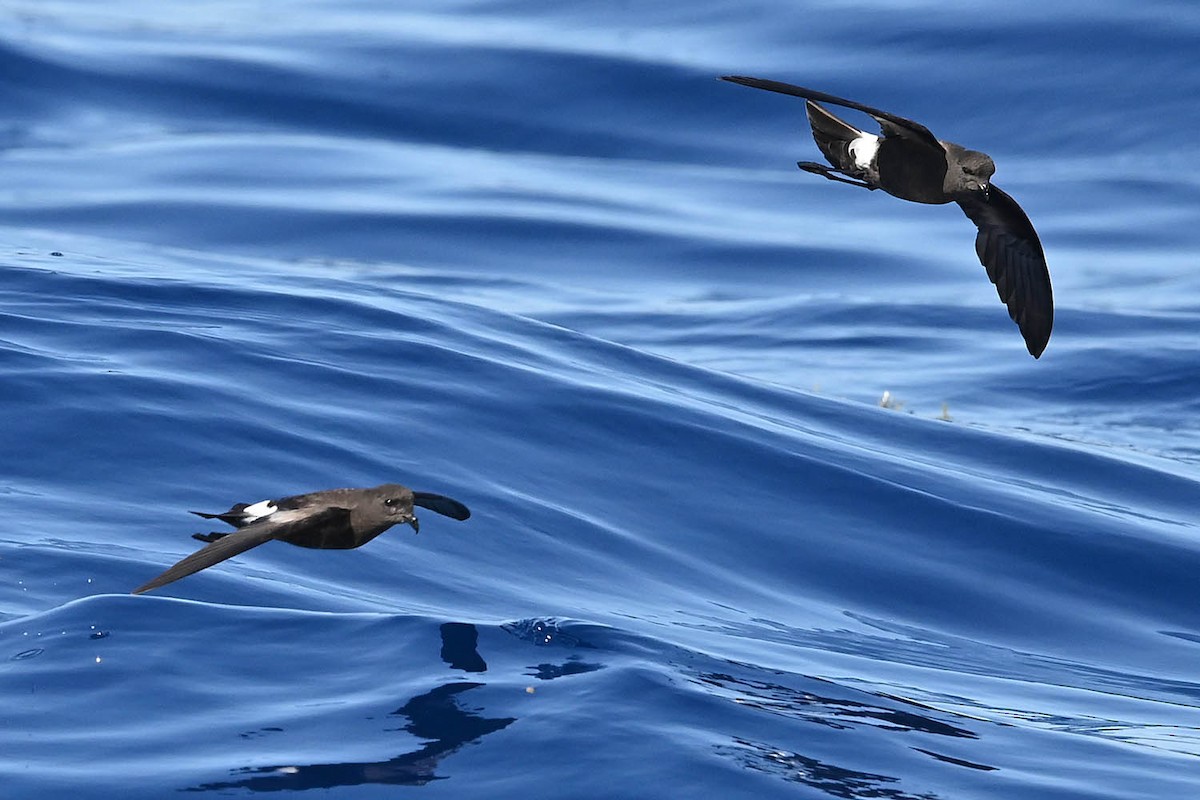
{"x": 536, "y": 257}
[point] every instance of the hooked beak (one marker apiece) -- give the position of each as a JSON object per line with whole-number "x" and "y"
{"x": 416, "y": 524}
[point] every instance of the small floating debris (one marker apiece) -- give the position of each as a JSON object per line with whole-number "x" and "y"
{"x": 889, "y": 401}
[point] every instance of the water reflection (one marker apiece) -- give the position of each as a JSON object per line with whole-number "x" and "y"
{"x": 549, "y": 633}
{"x": 840, "y": 713}
{"x": 831, "y": 779}
{"x": 436, "y": 716}
{"x": 958, "y": 762}
{"x": 543, "y": 633}
{"x": 572, "y": 666}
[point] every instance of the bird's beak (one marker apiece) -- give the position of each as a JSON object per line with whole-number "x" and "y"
{"x": 416, "y": 524}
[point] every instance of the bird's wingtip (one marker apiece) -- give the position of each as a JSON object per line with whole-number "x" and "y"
{"x": 1036, "y": 333}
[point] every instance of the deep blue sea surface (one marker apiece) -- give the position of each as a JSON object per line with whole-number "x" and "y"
{"x": 769, "y": 500}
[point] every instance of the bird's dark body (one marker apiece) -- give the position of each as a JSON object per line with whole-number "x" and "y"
{"x": 334, "y": 528}
{"x": 912, "y": 171}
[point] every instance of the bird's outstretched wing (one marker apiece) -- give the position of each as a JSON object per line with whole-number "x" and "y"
{"x": 442, "y": 505}
{"x": 280, "y": 526}
{"x": 218, "y": 551}
{"x": 892, "y": 124}
{"x": 1010, "y": 250}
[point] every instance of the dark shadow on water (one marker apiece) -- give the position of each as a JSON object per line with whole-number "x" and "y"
{"x": 460, "y": 647}
{"x": 436, "y": 716}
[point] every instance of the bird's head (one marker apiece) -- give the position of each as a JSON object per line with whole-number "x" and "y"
{"x": 396, "y": 504}
{"x": 971, "y": 171}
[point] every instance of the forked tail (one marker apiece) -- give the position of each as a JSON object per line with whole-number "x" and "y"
{"x": 833, "y": 136}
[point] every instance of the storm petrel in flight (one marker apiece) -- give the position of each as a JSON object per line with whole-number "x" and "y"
{"x": 909, "y": 162}
{"x": 335, "y": 519}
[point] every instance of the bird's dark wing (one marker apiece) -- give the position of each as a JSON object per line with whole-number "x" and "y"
{"x": 1010, "y": 250}
{"x": 892, "y": 124}
{"x": 281, "y": 525}
{"x": 442, "y": 505}
{"x": 223, "y": 548}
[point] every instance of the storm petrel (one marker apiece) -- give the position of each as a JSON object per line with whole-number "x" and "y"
{"x": 909, "y": 162}
{"x": 335, "y": 519}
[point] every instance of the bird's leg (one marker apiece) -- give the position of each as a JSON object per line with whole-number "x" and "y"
{"x": 832, "y": 174}
{"x": 209, "y": 537}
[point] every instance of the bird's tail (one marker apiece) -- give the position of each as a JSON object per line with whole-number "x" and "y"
{"x": 236, "y": 516}
{"x": 833, "y": 136}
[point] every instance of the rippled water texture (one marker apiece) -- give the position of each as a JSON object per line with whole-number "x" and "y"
{"x": 537, "y": 258}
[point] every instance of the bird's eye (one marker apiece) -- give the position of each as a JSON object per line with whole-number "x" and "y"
{"x": 392, "y": 501}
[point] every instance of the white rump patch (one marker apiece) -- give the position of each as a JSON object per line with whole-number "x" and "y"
{"x": 263, "y": 508}
{"x": 864, "y": 149}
